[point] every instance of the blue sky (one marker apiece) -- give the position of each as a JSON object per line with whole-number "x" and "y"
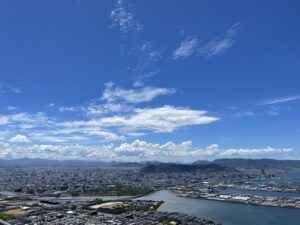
{"x": 142, "y": 80}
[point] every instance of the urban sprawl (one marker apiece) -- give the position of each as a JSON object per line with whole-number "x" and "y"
{"x": 95, "y": 195}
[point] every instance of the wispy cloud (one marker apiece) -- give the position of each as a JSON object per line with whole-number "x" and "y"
{"x": 141, "y": 80}
{"x": 243, "y": 114}
{"x": 124, "y": 19}
{"x": 136, "y": 95}
{"x": 70, "y": 108}
{"x": 155, "y": 55}
{"x": 281, "y": 100}
{"x": 148, "y": 55}
{"x": 221, "y": 43}
{"x": 191, "y": 45}
{"x": 273, "y": 111}
{"x": 24, "y": 120}
{"x": 9, "y": 88}
{"x": 12, "y": 108}
{"x": 187, "y": 47}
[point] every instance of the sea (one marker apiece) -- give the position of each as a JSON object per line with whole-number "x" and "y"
{"x": 226, "y": 213}
{"x": 229, "y": 213}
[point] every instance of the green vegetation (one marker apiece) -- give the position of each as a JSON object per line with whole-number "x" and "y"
{"x": 115, "y": 190}
{"x": 180, "y": 168}
{"x": 4, "y": 216}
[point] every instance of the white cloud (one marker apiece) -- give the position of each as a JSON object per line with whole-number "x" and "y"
{"x": 185, "y": 151}
{"x": 94, "y": 110}
{"x": 163, "y": 119}
{"x": 12, "y": 108}
{"x": 222, "y": 43}
{"x": 281, "y": 100}
{"x": 5, "y": 149}
{"x": 52, "y": 104}
{"x": 47, "y": 138}
{"x": 52, "y": 136}
{"x": 24, "y": 120}
{"x": 113, "y": 120}
{"x": 48, "y": 151}
{"x": 124, "y": 19}
{"x": 187, "y": 47}
{"x": 169, "y": 150}
{"x": 5, "y": 134}
{"x": 135, "y": 151}
{"x": 119, "y": 100}
{"x": 4, "y": 120}
{"x": 255, "y": 151}
{"x": 19, "y": 138}
{"x": 137, "y": 95}
{"x": 70, "y": 108}
{"x": 80, "y": 133}
{"x": 135, "y": 134}
{"x": 105, "y": 134}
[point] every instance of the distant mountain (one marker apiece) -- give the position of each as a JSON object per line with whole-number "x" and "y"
{"x": 179, "y": 168}
{"x": 134, "y": 164}
{"x": 128, "y": 164}
{"x": 32, "y": 162}
{"x": 28, "y": 162}
{"x": 158, "y": 166}
{"x": 258, "y": 163}
{"x": 202, "y": 162}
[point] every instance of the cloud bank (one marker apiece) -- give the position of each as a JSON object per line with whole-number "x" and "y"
{"x": 135, "y": 151}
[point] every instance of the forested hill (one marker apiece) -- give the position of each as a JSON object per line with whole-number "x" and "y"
{"x": 258, "y": 163}
{"x": 179, "y": 168}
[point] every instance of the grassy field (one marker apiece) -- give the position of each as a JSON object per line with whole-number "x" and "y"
{"x": 4, "y": 216}
{"x": 107, "y": 205}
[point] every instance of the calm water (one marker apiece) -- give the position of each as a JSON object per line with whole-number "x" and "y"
{"x": 293, "y": 177}
{"x": 230, "y": 191}
{"x": 225, "y": 212}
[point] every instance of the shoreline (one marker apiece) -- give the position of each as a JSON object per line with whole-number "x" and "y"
{"x": 273, "y": 204}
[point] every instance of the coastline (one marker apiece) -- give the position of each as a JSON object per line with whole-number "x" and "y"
{"x": 277, "y": 202}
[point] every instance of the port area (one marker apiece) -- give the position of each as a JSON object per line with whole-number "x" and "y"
{"x": 211, "y": 194}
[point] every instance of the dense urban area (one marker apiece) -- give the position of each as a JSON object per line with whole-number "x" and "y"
{"x": 109, "y": 194}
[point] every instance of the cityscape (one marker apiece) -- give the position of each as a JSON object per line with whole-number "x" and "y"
{"x": 129, "y": 193}
{"x": 128, "y": 112}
